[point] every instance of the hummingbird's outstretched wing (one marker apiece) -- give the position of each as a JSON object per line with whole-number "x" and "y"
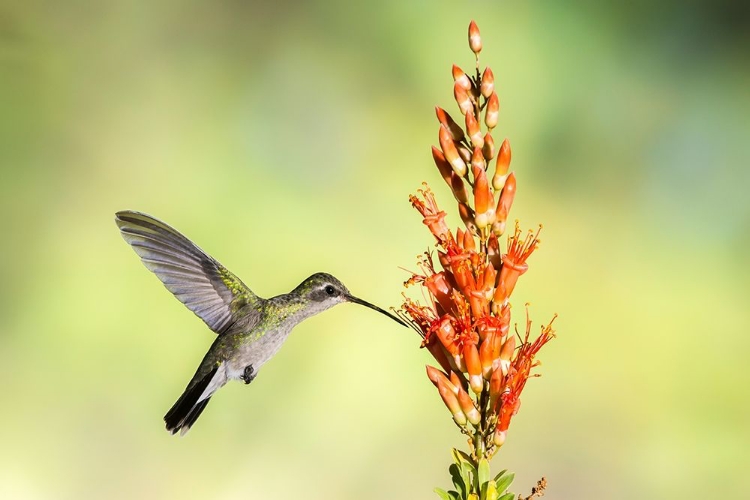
{"x": 206, "y": 287}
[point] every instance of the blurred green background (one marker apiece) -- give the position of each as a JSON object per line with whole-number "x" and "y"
{"x": 284, "y": 138}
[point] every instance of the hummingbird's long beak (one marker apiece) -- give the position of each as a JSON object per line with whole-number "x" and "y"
{"x": 352, "y": 298}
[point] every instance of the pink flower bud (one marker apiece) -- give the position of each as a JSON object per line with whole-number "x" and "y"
{"x": 468, "y": 408}
{"x": 462, "y": 99}
{"x": 473, "y": 366}
{"x": 488, "y": 150}
{"x": 475, "y": 41}
{"x": 501, "y": 166}
{"x": 499, "y": 437}
{"x": 450, "y": 152}
{"x": 445, "y": 119}
{"x": 475, "y": 133}
{"x": 461, "y": 78}
{"x": 488, "y": 83}
{"x": 493, "y": 111}
{"x": 451, "y": 401}
{"x": 506, "y": 353}
{"x": 483, "y": 200}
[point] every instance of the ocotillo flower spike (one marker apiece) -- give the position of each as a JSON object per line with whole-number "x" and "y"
{"x": 466, "y": 322}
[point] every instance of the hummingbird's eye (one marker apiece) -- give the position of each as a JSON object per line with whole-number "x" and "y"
{"x": 330, "y": 290}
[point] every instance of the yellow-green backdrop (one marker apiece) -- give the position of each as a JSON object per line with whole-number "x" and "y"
{"x": 284, "y": 137}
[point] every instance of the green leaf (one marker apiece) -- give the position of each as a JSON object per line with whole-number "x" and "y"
{"x": 508, "y": 496}
{"x": 500, "y": 474}
{"x": 464, "y": 461}
{"x": 442, "y": 493}
{"x": 458, "y": 480}
{"x": 460, "y": 455}
{"x": 503, "y": 484}
{"x": 483, "y": 472}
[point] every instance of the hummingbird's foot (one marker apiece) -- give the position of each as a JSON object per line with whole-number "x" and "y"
{"x": 249, "y": 374}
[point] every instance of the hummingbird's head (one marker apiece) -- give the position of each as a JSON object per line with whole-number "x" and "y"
{"x": 324, "y": 291}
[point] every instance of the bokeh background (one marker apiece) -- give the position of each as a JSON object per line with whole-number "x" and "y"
{"x": 284, "y": 137}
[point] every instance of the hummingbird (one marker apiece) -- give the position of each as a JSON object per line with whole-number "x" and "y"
{"x": 250, "y": 329}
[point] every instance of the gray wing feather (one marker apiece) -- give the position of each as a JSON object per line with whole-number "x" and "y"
{"x": 206, "y": 287}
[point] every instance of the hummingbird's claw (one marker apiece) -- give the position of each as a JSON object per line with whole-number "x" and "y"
{"x": 249, "y": 374}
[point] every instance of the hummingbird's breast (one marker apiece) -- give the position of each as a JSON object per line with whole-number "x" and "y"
{"x": 255, "y": 348}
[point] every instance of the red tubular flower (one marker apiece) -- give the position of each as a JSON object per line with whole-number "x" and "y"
{"x": 514, "y": 262}
{"x": 441, "y": 290}
{"x": 434, "y": 218}
{"x": 447, "y": 336}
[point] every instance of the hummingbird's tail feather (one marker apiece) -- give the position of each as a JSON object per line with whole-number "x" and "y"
{"x": 189, "y": 406}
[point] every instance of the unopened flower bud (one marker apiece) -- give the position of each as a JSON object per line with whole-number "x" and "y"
{"x": 442, "y": 164}
{"x": 475, "y": 133}
{"x": 461, "y": 78}
{"x": 485, "y": 356}
{"x": 450, "y": 152}
{"x": 488, "y": 83}
{"x": 483, "y": 200}
{"x": 467, "y": 407}
{"x": 501, "y": 166}
{"x": 488, "y": 149}
{"x": 462, "y": 99}
{"x": 477, "y": 162}
{"x": 451, "y": 401}
{"x": 499, "y": 438}
{"x": 473, "y": 367}
{"x": 465, "y": 154}
{"x": 467, "y": 216}
{"x": 504, "y": 204}
{"x": 493, "y": 111}
{"x": 506, "y": 353}
{"x": 496, "y": 386}
{"x": 436, "y": 376}
{"x": 445, "y": 119}
{"x": 468, "y": 242}
{"x": 475, "y": 41}
{"x": 458, "y": 380}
